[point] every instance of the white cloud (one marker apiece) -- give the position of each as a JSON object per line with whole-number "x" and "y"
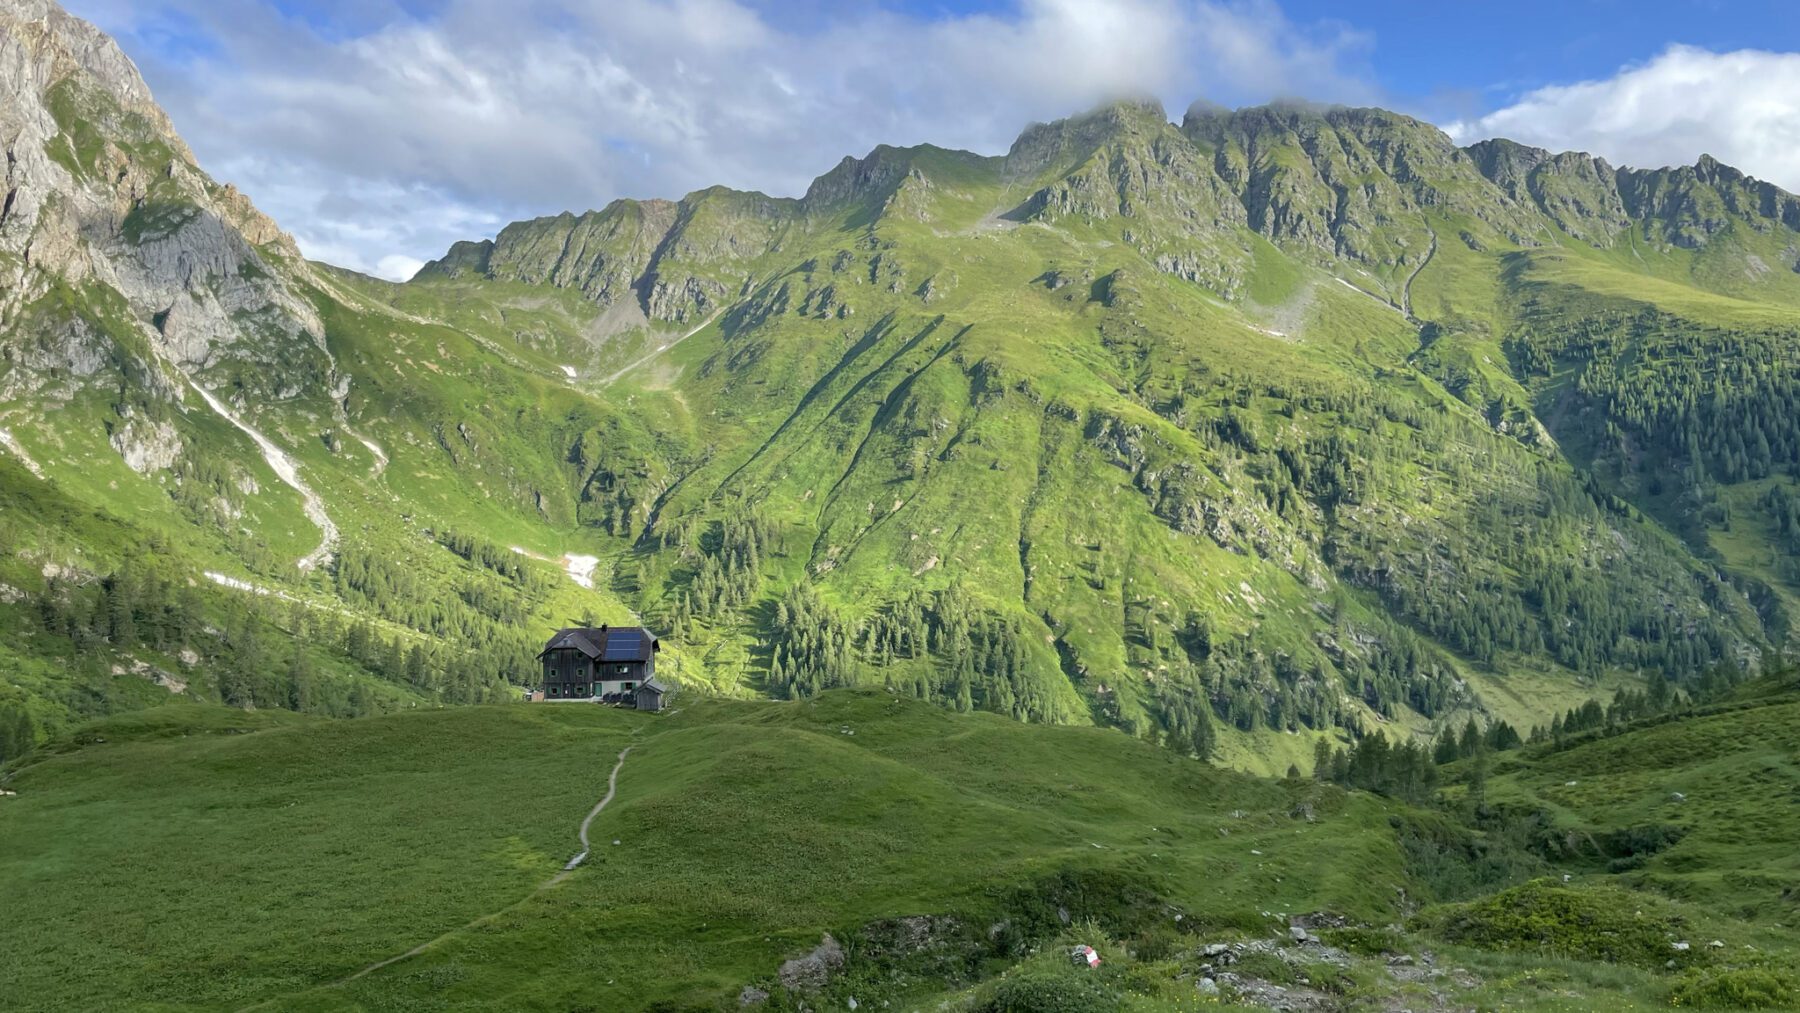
{"x": 1743, "y": 108}
{"x": 396, "y": 140}
{"x": 398, "y": 267}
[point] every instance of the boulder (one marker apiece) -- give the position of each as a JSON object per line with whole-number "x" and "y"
{"x": 813, "y": 970}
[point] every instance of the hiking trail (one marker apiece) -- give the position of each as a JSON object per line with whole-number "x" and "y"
{"x": 612, "y": 785}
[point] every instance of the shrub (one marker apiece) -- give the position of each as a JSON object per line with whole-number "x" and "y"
{"x": 1267, "y": 966}
{"x": 1639, "y": 842}
{"x": 1158, "y": 942}
{"x": 1591, "y": 923}
{"x": 1328, "y": 977}
{"x": 1362, "y": 941}
{"x": 1050, "y": 993}
{"x": 1736, "y": 988}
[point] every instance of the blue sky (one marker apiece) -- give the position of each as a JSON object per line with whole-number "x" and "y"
{"x": 378, "y": 131}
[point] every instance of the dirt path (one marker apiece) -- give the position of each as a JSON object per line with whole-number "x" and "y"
{"x": 665, "y": 346}
{"x": 612, "y": 787}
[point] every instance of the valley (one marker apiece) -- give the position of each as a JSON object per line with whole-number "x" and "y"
{"x": 1168, "y": 535}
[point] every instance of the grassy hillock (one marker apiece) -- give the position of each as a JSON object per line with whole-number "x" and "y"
{"x": 219, "y": 860}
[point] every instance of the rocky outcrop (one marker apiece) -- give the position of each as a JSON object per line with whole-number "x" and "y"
{"x": 1337, "y": 183}
{"x": 145, "y": 445}
{"x": 814, "y": 970}
{"x": 1585, "y": 197}
{"x": 676, "y": 259}
{"x": 100, "y": 190}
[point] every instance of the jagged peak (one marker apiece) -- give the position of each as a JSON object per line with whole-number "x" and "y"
{"x": 465, "y": 257}
{"x": 1212, "y": 123}
{"x": 1073, "y": 139}
{"x": 65, "y": 46}
{"x": 100, "y": 185}
{"x": 877, "y": 174}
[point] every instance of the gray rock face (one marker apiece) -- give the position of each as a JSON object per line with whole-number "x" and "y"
{"x": 99, "y": 189}
{"x": 146, "y": 446}
{"x": 676, "y": 261}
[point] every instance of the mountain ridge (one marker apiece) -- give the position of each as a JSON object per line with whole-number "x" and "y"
{"x": 1605, "y": 201}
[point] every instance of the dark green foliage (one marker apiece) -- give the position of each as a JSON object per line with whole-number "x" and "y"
{"x": 1368, "y": 942}
{"x": 1586, "y": 922}
{"x": 1716, "y": 403}
{"x": 972, "y": 658}
{"x": 1120, "y": 902}
{"x": 18, "y": 734}
{"x": 1737, "y": 988}
{"x": 1628, "y": 848}
{"x": 477, "y": 638}
{"x": 1784, "y": 510}
{"x": 1404, "y": 770}
{"x": 507, "y": 564}
{"x": 728, "y": 564}
{"x": 812, "y": 648}
{"x": 1047, "y": 992}
{"x": 1450, "y": 860}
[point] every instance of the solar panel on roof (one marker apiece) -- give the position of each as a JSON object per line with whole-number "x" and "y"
{"x": 620, "y": 646}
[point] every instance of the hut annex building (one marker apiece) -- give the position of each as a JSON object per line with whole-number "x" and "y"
{"x": 607, "y": 664}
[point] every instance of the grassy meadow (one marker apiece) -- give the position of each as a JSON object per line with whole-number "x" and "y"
{"x": 193, "y": 858}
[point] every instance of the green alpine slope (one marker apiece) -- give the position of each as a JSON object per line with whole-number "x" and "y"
{"x": 1277, "y": 424}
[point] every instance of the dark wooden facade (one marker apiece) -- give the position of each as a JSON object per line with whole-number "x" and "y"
{"x": 604, "y": 663}
{"x": 651, "y": 695}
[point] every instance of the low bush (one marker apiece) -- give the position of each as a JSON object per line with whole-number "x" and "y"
{"x": 1364, "y": 942}
{"x": 1586, "y": 922}
{"x": 1267, "y": 966}
{"x": 1043, "y": 992}
{"x": 1736, "y": 988}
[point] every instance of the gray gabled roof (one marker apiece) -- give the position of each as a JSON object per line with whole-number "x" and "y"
{"x": 653, "y": 684}
{"x": 606, "y": 643}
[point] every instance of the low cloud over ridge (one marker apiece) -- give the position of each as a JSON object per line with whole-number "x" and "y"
{"x": 1742, "y": 107}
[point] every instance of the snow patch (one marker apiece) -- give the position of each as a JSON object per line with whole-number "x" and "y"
{"x": 570, "y": 371}
{"x": 381, "y": 458}
{"x": 581, "y": 569}
{"x": 235, "y": 584}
